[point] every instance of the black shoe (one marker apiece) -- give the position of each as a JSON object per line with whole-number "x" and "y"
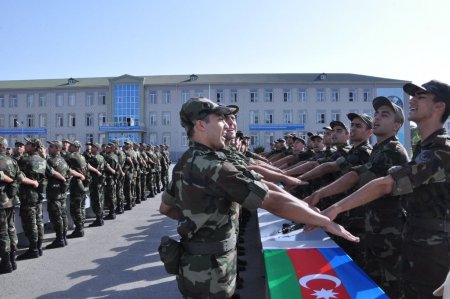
{"x": 76, "y": 234}
{"x": 29, "y": 254}
{"x": 110, "y": 217}
{"x": 12, "y": 258}
{"x": 40, "y": 251}
{"x": 127, "y": 207}
{"x": 5, "y": 264}
{"x": 57, "y": 243}
{"x": 65, "y": 238}
{"x": 138, "y": 201}
{"x": 118, "y": 211}
{"x": 97, "y": 222}
{"x": 151, "y": 195}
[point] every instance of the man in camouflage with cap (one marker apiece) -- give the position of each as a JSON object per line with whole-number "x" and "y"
{"x": 111, "y": 175}
{"x": 96, "y": 187}
{"x": 120, "y": 175}
{"x": 10, "y": 176}
{"x": 424, "y": 185}
{"x": 212, "y": 190}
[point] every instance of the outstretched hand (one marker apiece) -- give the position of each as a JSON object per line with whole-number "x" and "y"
{"x": 338, "y": 230}
{"x": 313, "y": 199}
{"x": 291, "y": 181}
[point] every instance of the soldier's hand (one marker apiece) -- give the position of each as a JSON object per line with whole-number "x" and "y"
{"x": 330, "y": 212}
{"x": 35, "y": 184}
{"x": 291, "y": 181}
{"x": 82, "y": 177}
{"x": 313, "y": 199}
{"x": 338, "y": 230}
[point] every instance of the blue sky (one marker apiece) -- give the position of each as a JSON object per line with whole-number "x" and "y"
{"x": 405, "y": 39}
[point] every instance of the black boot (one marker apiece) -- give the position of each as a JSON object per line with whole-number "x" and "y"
{"x": 151, "y": 195}
{"x": 39, "y": 247}
{"x": 65, "y": 238}
{"x": 97, "y": 222}
{"x": 111, "y": 216}
{"x": 77, "y": 233}
{"x": 128, "y": 207}
{"x": 12, "y": 258}
{"x": 119, "y": 210}
{"x": 57, "y": 243}
{"x": 5, "y": 264}
{"x": 31, "y": 253}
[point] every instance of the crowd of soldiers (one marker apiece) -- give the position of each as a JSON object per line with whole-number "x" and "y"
{"x": 115, "y": 178}
{"x": 397, "y": 206}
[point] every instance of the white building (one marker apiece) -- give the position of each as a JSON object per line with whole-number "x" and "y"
{"x": 146, "y": 109}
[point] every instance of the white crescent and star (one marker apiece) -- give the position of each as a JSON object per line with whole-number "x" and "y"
{"x": 322, "y": 294}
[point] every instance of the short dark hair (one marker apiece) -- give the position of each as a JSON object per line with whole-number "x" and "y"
{"x": 438, "y": 98}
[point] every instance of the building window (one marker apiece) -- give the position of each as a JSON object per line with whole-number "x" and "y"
{"x": 287, "y": 116}
{"x": 2, "y": 101}
{"x": 166, "y": 138}
{"x": 268, "y": 117}
{"x": 152, "y": 138}
{"x": 13, "y": 121}
{"x": 42, "y": 100}
{"x": 268, "y": 96}
{"x": 152, "y": 118}
{"x": 335, "y": 95}
{"x": 59, "y": 137}
{"x": 30, "y": 101}
{"x": 89, "y": 138}
{"x": 335, "y": 115}
{"x": 72, "y": 99}
{"x": 2, "y": 120}
{"x": 152, "y": 97}
{"x": 126, "y": 98}
{"x": 166, "y": 97}
{"x": 269, "y": 137}
{"x": 102, "y": 98}
{"x": 320, "y": 117}
{"x": 72, "y": 120}
{"x": 253, "y": 96}
{"x": 254, "y": 117}
{"x": 254, "y": 140}
{"x": 302, "y": 117}
{"x": 233, "y": 96}
{"x": 59, "y": 100}
{"x": 352, "y": 95}
{"x": 101, "y": 119}
{"x": 287, "y": 96}
{"x": 12, "y": 101}
{"x": 184, "y": 139}
{"x": 320, "y": 95}
{"x": 59, "y": 120}
{"x": 219, "y": 96}
{"x": 199, "y": 93}
{"x": 166, "y": 118}
{"x": 89, "y": 99}
{"x": 366, "y": 95}
{"x": 89, "y": 119}
{"x": 71, "y": 137}
{"x": 185, "y": 96}
{"x": 302, "y": 96}
{"x": 42, "y": 120}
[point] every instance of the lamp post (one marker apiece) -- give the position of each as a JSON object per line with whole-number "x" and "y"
{"x": 21, "y": 126}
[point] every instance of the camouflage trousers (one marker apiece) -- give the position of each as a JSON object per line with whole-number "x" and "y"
{"x": 427, "y": 261}
{"x": 96, "y": 197}
{"x": 110, "y": 198}
{"x": 208, "y": 276}
{"x": 165, "y": 178}
{"x": 127, "y": 188}
{"x": 151, "y": 182}
{"x": 137, "y": 186}
{"x": 143, "y": 185}
{"x": 33, "y": 227}
{"x": 8, "y": 235}
{"x": 119, "y": 193}
{"x": 56, "y": 207}
{"x": 158, "y": 181}
{"x": 78, "y": 209}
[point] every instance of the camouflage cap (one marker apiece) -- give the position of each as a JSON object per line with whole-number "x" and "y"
{"x": 199, "y": 108}
{"x": 4, "y": 141}
{"x": 233, "y": 108}
{"x": 56, "y": 143}
{"x": 75, "y": 143}
{"x": 111, "y": 144}
{"x": 440, "y": 89}
{"x": 314, "y": 136}
{"x": 19, "y": 143}
{"x": 35, "y": 141}
{"x": 367, "y": 119}
{"x": 97, "y": 145}
{"x": 383, "y": 101}
{"x": 335, "y": 123}
{"x": 127, "y": 141}
{"x": 65, "y": 141}
{"x": 327, "y": 128}
{"x": 295, "y": 138}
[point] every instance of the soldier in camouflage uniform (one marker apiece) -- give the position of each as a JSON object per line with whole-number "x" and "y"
{"x": 96, "y": 187}
{"x": 10, "y": 176}
{"x": 111, "y": 172}
{"x": 384, "y": 219}
{"x": 144, "y": 169}
{"x": 164, "y": 167}
{"x": 34, "y": 167}
{"x": 120, "y": 177}
{"x": 212, "y": 190}
{"x": 128, "y": 169}
{"x": 157, "y": 168}
{"x": 151, "y": 164}
{"x": 57, "y": 194}
{"x": 139, "y": 163}
{"x": 424, "y": 186}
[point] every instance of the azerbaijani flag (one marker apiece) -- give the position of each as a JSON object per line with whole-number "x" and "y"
{"x": 317, "y": 273}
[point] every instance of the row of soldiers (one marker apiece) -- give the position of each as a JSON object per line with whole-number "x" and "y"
{"x": 115, "y": 177}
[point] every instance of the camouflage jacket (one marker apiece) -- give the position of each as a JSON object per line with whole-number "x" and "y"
{"x": 425, "y": 181}
{"x": 33, "y": 167}
{"x": 207, "y": 189}
{"x": 57, "y": 187}
{"x": 8, "y": 191}
{"x": 357, "y": 155}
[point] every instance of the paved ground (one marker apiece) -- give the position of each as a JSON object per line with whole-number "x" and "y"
{"x": 117, "y": 260}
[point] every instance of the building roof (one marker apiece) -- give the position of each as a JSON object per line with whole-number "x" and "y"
{"x": 201, "y": 79}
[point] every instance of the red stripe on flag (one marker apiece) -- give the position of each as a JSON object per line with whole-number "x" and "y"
{"x": 316, "y": 277}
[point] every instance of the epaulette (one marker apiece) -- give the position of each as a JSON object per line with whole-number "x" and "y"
{"x": 441, "y": 140}
{"x": 217, "y": 155}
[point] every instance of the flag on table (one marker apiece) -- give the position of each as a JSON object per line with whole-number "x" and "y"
{"x": 317, "y": 273}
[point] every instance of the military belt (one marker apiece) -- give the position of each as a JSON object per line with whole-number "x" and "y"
{"x": 430, "y": 224}
{"x": 209, "y": 248}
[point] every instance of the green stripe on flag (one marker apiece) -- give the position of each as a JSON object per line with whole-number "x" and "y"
{"x": 281, "y": 276}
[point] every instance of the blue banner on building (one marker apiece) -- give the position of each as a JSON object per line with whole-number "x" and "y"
{"x": 274, "y": 127}
{"x": 24, "y": 131}
{"x": 120, "y": 128}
